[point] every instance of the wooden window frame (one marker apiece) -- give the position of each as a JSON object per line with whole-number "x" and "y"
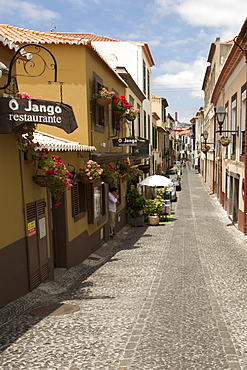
{"x": 100, "y": 114}
{"x": 93, "y": 218}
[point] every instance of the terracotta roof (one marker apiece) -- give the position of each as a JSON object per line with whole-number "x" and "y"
{"x": 85, "y": 36}
{"x": 23, "y": 35}
{"x": 54, "y": 143}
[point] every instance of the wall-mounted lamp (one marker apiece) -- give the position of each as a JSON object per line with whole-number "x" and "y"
{"x": 220, "y": 116}
{"x": 205, "y": 137}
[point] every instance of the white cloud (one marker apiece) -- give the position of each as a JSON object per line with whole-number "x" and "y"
{"x": 223, "y": 15}
{"x": 30, "y": 12}
{"x": 180, "y": 76}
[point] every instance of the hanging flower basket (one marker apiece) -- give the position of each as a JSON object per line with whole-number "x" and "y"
{"x": 103, "y": 102}
{"x": 107, "y": 180}
{"x": 129, "y": 117}
{"x": 42, "y": 180}
{"x": 103, "y": 97}
{"x": 118, "y": 112}
{"x": 92, "y": 172}
{"x": 205, "y": 148}
{"x": 225, "y": 141}
{"x": 85, "y": 179}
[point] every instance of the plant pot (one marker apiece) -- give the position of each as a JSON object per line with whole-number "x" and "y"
{"x": 153, "y": 220}
{"x": 85, "y": 179}
{"x": 42, "y": 181}
{"x": 226, "y": 143}
{"x": 106, "y": 179}
{"x": 118, "y": 112}
{"x": 129, "y": 118}
{"x": 139, "y": 220}
{"x": 103, "y": 101}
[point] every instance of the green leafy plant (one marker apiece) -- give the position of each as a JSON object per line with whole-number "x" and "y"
{"x": 110, "y": 173}
{"x": 129, "y": 173}
{"x": 225, "y": 141}
{"x": 135, "y": 202}
{"x": 153, "y": 207}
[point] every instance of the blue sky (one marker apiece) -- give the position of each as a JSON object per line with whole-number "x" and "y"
{"x": 179, "y": 34}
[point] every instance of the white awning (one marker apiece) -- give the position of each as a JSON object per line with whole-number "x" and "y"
{"x": 53, "y": 143}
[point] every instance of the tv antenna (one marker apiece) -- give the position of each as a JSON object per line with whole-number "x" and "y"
{"x": 53, "y": 26}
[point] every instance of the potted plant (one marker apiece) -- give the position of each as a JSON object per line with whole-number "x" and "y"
{"x": 225, "y": 141}
{"x": 91, "y": 172}
{"x": 56, "y": 177}
{"x": 129, "y": 173}
{"x": 120, "y": 105}
{"x": 153, "y": 208}
{"x": 110, "y": 175}
{"x": 132, "y": 114}
{"x": 205, "y": 148}
{"x": 25, "y": 136}
{"x": 135, "y": 206}
{"x": 104, "y": 97}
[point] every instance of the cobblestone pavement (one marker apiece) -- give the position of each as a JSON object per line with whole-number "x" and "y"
{"x": 171, "y": 296}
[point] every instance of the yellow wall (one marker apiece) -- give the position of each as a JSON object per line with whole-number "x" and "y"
{"x": 76, "y": 65}
{"x": 12, "y": 224}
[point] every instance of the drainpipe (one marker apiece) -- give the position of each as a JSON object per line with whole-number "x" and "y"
{"x": 245, "y": 156}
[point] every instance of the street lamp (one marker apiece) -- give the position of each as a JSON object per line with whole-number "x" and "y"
{"x": 205, "y": 137}
{"x": 220, "y": 115}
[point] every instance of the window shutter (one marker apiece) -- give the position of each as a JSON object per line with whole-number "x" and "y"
{"x": 38, "y": 266}
{"x": 42, "y": 242}
{"x": 32, "y": 248}
{"x": 75, "y": 200}
{"x": 79, "y": 200}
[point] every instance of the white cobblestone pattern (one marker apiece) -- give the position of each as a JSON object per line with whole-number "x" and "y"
{"x": 160, "y": 297}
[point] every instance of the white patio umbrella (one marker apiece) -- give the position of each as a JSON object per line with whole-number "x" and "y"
{"x": 155, "y": 180}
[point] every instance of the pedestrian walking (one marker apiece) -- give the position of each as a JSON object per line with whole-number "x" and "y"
{"x": 113, "y": 201}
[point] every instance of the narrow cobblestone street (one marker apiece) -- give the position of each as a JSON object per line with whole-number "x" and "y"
{"x": 171, "y": 296}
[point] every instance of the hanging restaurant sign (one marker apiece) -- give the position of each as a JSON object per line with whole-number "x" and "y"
{"x": 125, "y": 141}
{"x": 16, "y": 112}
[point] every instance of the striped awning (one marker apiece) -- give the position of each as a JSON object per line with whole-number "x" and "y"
{"x": 53, "y": 143}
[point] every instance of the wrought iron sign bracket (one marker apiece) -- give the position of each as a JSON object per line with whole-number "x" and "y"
{"x": 29, "y": 63}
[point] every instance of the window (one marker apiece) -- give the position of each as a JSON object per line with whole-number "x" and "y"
{"x": 148, "y": 83}
{"x": 79, "y": 200}
{"x": 132, "y": 124}
{"x": 233, "y": 122}
{"x": 149, "y": 128}
{"x": 154, "y": 138}
{"x": 144, "y": 77}
{"x": 144, "y": 124}
{"x": 115, "y": 119}
{"x": 139, "y": 121}
{"x": 100, "y": 114}
{"x": 243, "y": 119}
{"x": 96, "y": 201}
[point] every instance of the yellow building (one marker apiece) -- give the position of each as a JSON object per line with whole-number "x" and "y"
{"x": 37, "y": 236}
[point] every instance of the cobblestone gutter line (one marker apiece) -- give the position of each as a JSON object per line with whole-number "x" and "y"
{"x": 145, "y": 312}
{"x": 224, "y": 333}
